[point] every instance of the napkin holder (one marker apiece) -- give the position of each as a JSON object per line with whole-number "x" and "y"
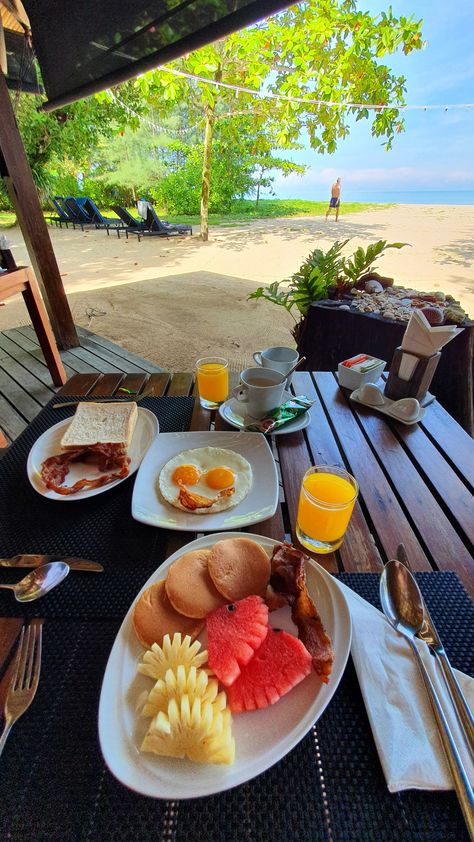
{"x": 410, "y": 374}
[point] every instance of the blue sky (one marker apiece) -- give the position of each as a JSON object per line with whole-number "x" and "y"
{"x": 436, "y": 150}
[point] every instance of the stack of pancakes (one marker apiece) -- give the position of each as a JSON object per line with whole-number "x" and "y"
{"x": 197, "y": 583}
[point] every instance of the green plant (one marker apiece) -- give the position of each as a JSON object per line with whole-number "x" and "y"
{"x": 321, "y": 274}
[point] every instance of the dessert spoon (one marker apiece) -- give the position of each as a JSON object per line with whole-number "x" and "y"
{"x": 39, "y": 581}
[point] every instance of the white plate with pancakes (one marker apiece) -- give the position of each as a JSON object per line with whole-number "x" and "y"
{"x": 262, "y": 737}
{"x": 49, "y": 444}
{"x": 255, "y": 480}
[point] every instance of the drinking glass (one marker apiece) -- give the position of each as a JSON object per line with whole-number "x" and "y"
{"x": 213, "y": 381}
{"x": 327, "y": 498}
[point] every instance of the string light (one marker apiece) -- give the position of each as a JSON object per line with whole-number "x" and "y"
{"x": 155, "y": 126}
{"x": 318, "y": 102}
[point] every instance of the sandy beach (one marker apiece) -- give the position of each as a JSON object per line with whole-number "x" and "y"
{"x": 171, "y": 301}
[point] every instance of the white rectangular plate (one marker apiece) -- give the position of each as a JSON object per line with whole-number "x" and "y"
{"x": 262, "y": 737}
{"x": 148, "y": 506}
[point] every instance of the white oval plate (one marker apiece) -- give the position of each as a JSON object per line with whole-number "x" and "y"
{"x": 262, "y": 737}
{"x": 232, "y": 411}
{"x": 146, "y": 429}
{"x": 148, "y": 506}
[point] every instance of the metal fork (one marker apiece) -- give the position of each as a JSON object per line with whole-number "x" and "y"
{"x": 25, "y": 677}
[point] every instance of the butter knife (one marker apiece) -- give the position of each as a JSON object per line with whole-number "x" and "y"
{"x": 429, "y": 634}
{"x": 31, "y": 560}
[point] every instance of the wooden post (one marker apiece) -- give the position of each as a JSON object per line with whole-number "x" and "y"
{"x": 16, "y": 171}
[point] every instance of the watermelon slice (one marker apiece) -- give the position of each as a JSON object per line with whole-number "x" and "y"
{"x": 234, "y": 632}
{"x": 280, "y": 663}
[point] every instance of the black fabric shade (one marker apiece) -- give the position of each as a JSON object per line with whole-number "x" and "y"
{"x": 84, "y": 47}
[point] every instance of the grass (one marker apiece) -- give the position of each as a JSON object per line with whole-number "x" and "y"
{"x": 243, "y": 210}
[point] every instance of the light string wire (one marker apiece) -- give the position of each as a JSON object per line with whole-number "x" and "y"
{"x": 304, "y": 100}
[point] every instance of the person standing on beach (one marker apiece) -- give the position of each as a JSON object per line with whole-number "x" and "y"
{"x": 335, "y": 200}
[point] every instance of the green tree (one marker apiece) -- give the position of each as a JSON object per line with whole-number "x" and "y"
{"x": 324, "y": 50}
{"x": 65, "y": 139}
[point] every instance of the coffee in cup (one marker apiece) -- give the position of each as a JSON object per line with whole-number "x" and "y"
{"x": 279, "y": 358}
{"x": 260, "y": 389}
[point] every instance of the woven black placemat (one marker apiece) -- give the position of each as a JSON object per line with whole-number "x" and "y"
{"x": 101, "y": 528}
{"x": 330, "y": 788}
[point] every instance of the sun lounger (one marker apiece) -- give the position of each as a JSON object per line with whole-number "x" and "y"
{"x": 77, "y": 213}
{"x": 156, "y": 227}
{"x": 101, "y": 221}
{"x": 131, "y": 223}
{"x": 62, "y": 217}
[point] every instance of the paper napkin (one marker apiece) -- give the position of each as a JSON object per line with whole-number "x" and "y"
{"x": 397, "y": 705}
{"x": 423, "y": 339}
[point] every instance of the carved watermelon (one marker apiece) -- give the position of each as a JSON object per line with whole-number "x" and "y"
{"x": 234, "y": 632}
{"x": 277, "y": 666}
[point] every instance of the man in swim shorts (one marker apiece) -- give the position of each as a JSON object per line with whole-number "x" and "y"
{"x": 335, "y": 200}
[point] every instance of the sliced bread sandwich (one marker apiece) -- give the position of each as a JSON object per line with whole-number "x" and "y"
{"x": 101, "y": 423}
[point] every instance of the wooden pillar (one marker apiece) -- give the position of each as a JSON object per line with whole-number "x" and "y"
{"x": 16, "y": 171}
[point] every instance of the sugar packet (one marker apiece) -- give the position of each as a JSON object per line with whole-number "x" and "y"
{"x": 281, "y": 415}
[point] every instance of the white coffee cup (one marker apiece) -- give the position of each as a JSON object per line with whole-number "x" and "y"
{"x": 260, "y": 389}
{"x": 278, "y": 358}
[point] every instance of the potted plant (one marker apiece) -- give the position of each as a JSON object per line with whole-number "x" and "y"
{"x": 324, "y": 275}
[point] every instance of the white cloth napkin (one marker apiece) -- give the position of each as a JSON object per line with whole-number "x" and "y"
{"x": 397, "y": 704}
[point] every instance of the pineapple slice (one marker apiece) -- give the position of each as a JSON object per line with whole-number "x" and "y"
{"x": 200, "y": 731}
{"x": 195, "y": 683}
{"x": 157, "y": 660}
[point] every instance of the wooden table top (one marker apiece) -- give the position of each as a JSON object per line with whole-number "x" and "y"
{"x": 416, "y": 482}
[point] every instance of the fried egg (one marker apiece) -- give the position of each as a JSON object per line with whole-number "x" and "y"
{"x": 205, "y": 480}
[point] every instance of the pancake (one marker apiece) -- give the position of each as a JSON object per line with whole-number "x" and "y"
{"x": 189, "y": 586}
{"x": 154, "y": 616}
{"x": 239, "y": 567}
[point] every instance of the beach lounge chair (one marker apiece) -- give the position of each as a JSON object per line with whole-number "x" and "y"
{"x": 156, "y": 227}
{"x": 77, "y": 213}
{"x": 131, "y": 223}
{"x": 101, "y": 221}
{"x": 62, "y": 217}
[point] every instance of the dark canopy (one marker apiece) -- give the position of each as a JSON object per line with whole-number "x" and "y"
{"x": 84, "y": 46}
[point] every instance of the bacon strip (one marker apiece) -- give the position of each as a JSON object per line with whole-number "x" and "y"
{"x": 190, "y": 500}
{"x": 288, "y": 584}
{"x": 107, "y": 457}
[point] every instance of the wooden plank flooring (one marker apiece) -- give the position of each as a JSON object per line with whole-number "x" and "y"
{"x": 25, "y": 382}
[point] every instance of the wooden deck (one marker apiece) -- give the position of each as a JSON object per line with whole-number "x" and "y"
{"x": 25, "y": 382}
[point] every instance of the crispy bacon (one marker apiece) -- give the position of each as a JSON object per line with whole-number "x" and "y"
{"x": 107, "y": 457}
{"x": 190, "y": 500}
{"x": 288, "y": 582}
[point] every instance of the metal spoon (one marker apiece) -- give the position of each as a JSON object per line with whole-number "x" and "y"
{"x": 402, "y": 604}
{"x": 39, "y": 581}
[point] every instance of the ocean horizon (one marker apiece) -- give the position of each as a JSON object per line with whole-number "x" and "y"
{"x": 397, "y": 197}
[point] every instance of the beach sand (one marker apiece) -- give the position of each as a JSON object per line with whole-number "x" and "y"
{"x": 171, "y": 301}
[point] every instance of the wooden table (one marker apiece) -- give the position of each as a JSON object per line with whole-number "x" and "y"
{"x": 330, "y": 786}
{"x": 416, "y": 483}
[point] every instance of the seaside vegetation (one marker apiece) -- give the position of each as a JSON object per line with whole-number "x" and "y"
{"x": 242, "y": 210}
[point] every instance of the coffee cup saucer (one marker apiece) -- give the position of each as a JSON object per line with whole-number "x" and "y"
{"x": 233, "y": 412}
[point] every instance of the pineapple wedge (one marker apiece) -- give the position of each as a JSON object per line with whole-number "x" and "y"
{"x": 159, "y": 659}
{"x": 200, "y": 731}
{"x": 195, "y": 683}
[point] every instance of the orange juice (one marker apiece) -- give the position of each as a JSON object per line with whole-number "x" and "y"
{"x": 326, "y": 502}
{"x": 213, "y": 382}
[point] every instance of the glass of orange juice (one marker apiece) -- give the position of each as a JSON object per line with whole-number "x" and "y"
{"x": 213, "y": 381}
{"x": 327, "y": 497}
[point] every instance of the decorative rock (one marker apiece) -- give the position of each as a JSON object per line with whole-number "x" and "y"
{"x": 455, "y": 314}
{"x": 440, "y": 296}
{"x": 373, "y": 286}
{"x": 434, "y": 315}
{"x": 387, "y": 314}
{"x": 344, "y": 307}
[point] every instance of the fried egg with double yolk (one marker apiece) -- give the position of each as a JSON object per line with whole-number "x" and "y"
{"x": 205, "y": 480}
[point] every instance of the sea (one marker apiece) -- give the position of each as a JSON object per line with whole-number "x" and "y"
{"x": 398, "y": 197}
